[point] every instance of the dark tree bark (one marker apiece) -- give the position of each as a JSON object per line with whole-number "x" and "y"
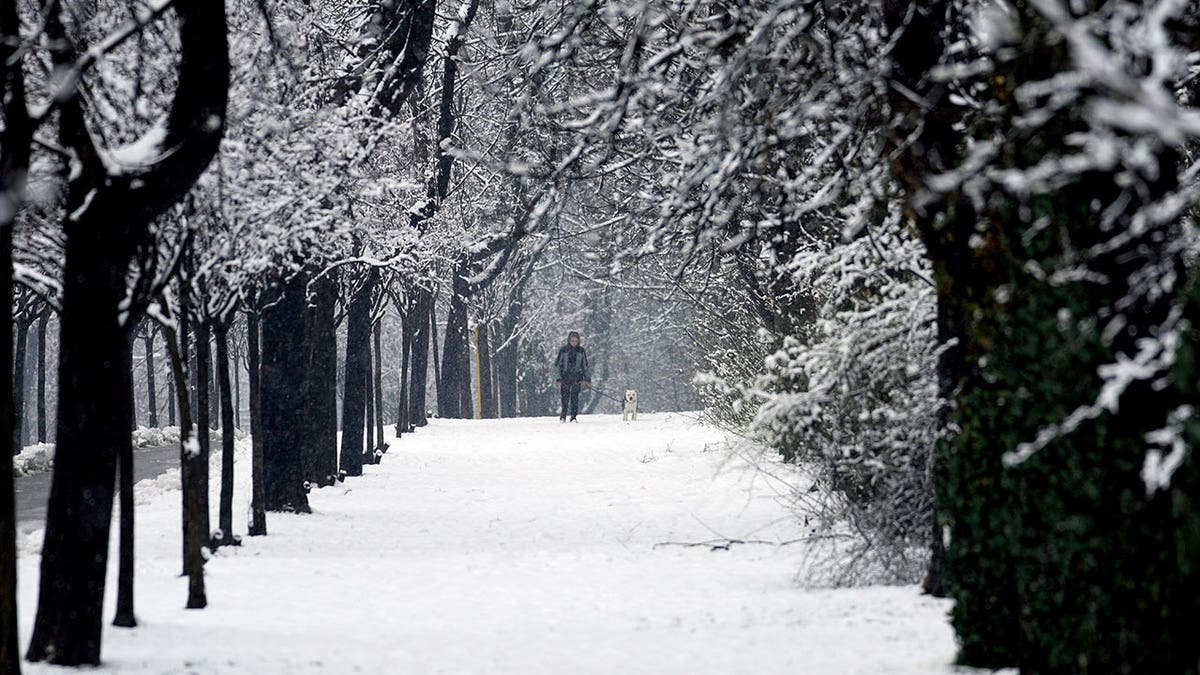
{"x": 451, "y": 399}
{"x": 151, "y": 394}
{"x": 106, "y": 217}
{"x": 507, "y": 354}
{"x": 124, "y": 616}
{"x": 236, "y": 366}
{"x": 192, "y": 464}
{"x": 318, "y": 392}
{"x": 281, "y": 376}
{"x": 433, "y": 334}
{"x": 225, "y": 517}
{"x": 203, "y": 341}
{"x": 487, "y": 392}
{"x": 10, "y": 654}
{"x": 402, "y": 403}
{"x": 258, "y": 512}
{"x": 15, "y": 142}
{"x": 20, "y": 357}
{"x": 932, "y": 152}
{"x": 171, "y": 403}
{"x": 418, "y": 326}
{"x": 358, "y": 333}
{"x": 214, "y": 389}
{"x": 456, "y": 353}
{"x": 41, "y": 376}
{"x": 378, "y": 370}
{"x": 369, "y": 456}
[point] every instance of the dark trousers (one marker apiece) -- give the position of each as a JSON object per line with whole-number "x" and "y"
{"x": 570, "y": 398}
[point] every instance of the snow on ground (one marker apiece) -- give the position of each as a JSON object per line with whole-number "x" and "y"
{"x": 39, "y": 457}
{"x": 33, "y": 459}
{"x": 515, "y": 546}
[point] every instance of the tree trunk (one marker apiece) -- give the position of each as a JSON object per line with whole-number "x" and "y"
{"x": 152, "y": 398}
{"x": 15, "y": 143}
{"x": 94, "y": 417}
{"x": 214, "y": 394}
{"x": 10, "y": 654}
{"x": 18, "y": 388}
{"x": 402, "y": 402}
{"x": 281, "y": 378}
{"x": 203, "y": 335}
{"x": 433, "y": 351}
{"x": 369, "y": 456}
{"x": 487, "y": 392}
{"x": 41, "y": 377}
{"x": 506, "y": 374}
{"x": 192, "y": 464}
{"x": 236, "y": 366}
{"x": 456, "y": 356}
{"x": 171, "y": 398}
{"x": 418, "y": 326}
{"x": 258, "y": 513}
{"x": 225, "y": 516}
{"x": 125, "y": 617}
{"x": 382, "y": 446}
{"x": 318, "y": 394}
{"x": 106, "y": 217}
{"x": 358, "y": 329}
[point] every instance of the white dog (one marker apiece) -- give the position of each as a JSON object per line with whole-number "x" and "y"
{"x": 629, "y": 405}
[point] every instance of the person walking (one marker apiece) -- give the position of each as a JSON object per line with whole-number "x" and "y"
{"x": 573, "y": 373}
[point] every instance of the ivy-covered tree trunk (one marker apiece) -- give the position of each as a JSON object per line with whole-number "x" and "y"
{"x": 1064, "y": 556}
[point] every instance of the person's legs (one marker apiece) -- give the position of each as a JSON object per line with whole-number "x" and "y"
{"x": 564, "y": 391}
{"x": 574, "y": 399}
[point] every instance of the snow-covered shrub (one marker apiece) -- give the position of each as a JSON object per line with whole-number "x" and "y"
{"x": 34, "y": 459}
{"x": 856, "y": 400}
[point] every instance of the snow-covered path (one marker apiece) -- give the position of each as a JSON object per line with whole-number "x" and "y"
{"x": 517, "y": 546}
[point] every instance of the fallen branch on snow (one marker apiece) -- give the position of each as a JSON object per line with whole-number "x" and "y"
{"x": 724, "y": 544}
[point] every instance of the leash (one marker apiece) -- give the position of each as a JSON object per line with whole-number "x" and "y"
{"x": 611, "y": 398}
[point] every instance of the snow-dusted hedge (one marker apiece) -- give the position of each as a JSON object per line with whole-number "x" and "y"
{"x": 856, "y": 399}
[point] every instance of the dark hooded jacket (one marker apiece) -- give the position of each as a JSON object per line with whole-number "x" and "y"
{"x": 572, "y": 363}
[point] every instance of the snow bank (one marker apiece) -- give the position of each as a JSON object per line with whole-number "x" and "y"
{"x": 40, "y": 457}
{"x": 33, "y": 459}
